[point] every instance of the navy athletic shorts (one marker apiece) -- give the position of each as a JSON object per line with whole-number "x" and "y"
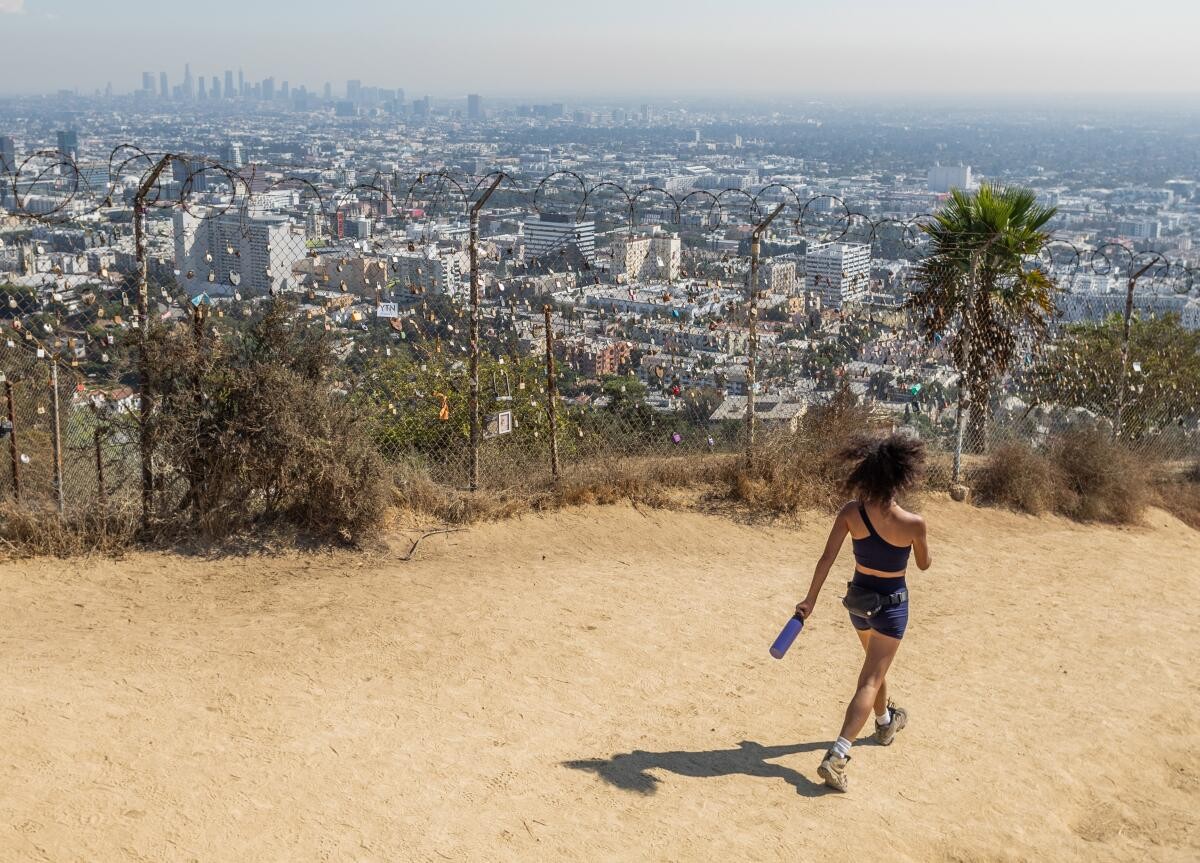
{"x": 890, "y": 621}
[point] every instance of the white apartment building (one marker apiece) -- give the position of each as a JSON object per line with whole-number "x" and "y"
{"x": 943, "y": 178}
{"x": 654, "y": 257}
{"x": 838, "y": 273}
{"x": 431, "y": 270}
{"x": 1140, "y": 229}
{"x": 778, "y": 276}
{"x": 252, "y": 253}
{"x": 549, "y": 234}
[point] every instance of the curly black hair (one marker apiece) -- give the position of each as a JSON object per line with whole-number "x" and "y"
{"x": 883, "y": 467}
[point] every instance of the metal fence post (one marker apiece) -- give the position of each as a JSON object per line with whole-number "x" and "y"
{"x": 474, "y": 244}
{"x": 751, "y": 418}
{"x": 57, "y": 437}
{"x": 1119, "y": 413}
{"x": 145, "y": 395}
{"x": 12, "y": 441}
{"x": 100, "y": 490}
{"x": 551, "y": 393}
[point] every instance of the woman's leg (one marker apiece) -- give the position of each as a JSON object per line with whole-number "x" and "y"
{"x": 881, "y": 650}
{"x": 881, "y": 699}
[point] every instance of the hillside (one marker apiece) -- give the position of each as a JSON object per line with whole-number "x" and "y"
{"x": 594, "y": 684}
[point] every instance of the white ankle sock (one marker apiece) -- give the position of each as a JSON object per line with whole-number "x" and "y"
{"x": 884, "y": 718}
{"x": 842, "y": 747}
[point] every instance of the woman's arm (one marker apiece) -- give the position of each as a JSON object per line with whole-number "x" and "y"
{"x": 837, "y": 535}
{"x": 921, "y": 546}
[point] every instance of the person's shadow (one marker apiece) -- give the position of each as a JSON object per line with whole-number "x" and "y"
{"x": 628, "y": 770}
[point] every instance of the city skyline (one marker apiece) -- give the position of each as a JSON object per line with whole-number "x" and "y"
{"x": 1073, "y": 47}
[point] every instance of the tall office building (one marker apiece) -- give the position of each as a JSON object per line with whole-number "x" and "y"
{"x": 190, "y": 175}
{"x": 256, "y": 251}
{"x": 328, "y": 91}
{"x": 202, "y": 89}
{"x": 231, "y": 155}
{"x": 1140, "y": 229}
{"x": 354, "y": 91}
{"x": 285, "y": 92}
{"x": 241, "y": 84}
{"x": 474, "y": 107}
{"x": 268, "y": 89}
{"x": 943, "y": 178}
{"x": 8, "y": 155}
{"x": 215, "y": 90}
{"x": 228, "y": 83}
{"x": 189, "y": 86}
{"x": 548, "y": 235}
{"x": 838, "y": 273}
{"x": 68, "y": 143}
{"x": 148, "y": 82}
{"x": 164, "y": 88}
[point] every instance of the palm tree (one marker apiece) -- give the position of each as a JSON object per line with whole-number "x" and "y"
{"x": 979, "y": 272}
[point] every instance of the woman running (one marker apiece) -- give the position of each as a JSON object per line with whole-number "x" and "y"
{"x": 883, "y": 535}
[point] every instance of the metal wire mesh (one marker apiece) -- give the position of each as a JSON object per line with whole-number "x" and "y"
{"x": 652, "y": 322}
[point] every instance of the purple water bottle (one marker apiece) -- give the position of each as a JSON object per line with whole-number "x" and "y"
{"x": 785, "y": 639}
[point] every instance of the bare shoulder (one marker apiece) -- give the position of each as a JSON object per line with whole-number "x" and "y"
{"x": 847, "y": 508}
{"x": 911, "y": 519}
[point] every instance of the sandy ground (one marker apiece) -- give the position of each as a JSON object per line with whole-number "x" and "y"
{"x": 595, "y": 685}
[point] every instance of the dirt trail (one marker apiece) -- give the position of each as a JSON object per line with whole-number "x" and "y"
{"x": 595, "y": 685}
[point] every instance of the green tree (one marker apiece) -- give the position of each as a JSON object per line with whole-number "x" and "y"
{"x": 978, "y": 272}
{"x": 1083, "y": 369}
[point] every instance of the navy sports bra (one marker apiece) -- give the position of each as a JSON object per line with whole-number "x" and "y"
{"x": 876, "y": 552}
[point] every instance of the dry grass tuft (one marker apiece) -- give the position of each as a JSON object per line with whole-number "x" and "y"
{"x": 1180, "y": 496}
{"x": 647, "y": 481}
{"x": 800, "y": 470}
{"x": 1018, "y": 477}
{"x": 41, "y": 532}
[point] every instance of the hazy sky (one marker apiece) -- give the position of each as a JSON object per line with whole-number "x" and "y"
{"x": 613, "y": 47}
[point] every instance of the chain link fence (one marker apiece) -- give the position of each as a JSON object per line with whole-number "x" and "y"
{"x": 610, "y": 324}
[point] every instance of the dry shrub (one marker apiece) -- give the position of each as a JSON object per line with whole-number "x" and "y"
{"x": 1180, "y": 496}
{"x": 801, "y": 470}
{"x": 1101, "y": 480}
{"x": 1018, "y": 477}
{"x": 1081, "y": 473}
{"x": 257, "y": 438}
{"x": 41, "y": 531}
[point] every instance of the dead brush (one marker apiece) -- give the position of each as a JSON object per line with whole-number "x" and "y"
{"x": 1080, "y": 473}
{"x": 1101, "y": 480}
{"x": 1180, "y": 495}
{"x": 1016, "y": 476}
{"x": 802, "y": 469}
{"x": 42, "y": 532}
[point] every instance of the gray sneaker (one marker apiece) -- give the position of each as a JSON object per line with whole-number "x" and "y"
{"x": 885, "y": 734}
{"x": 833, "y": 770}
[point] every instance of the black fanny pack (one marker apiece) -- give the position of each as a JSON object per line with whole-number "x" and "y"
{"x": 864, "y": 602}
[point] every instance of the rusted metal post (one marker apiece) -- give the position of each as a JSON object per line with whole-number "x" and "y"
{"x": 551, "y": 393}
{"x": 474, "y": 406}
{"x": 12, "y": 442}
{"x": 100, "y": 490}
{"x": 145, "y": 394}
{"x": 751, "y": 418}
{"x": 1130, "y": 286}
{"x": 57, "y": 437}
